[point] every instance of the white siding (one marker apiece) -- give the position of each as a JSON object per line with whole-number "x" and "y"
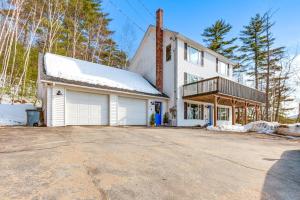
{"x": 206, "y": 71}
{"x": 58, "y": 107}
{"x": 113, "y": 110}
{"x": 49, "y": 107}
{"x": 144, "y": 63}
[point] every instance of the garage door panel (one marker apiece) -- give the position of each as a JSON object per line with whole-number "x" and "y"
{"x": 131, "y": 111}
{"x": 86, "y": 109}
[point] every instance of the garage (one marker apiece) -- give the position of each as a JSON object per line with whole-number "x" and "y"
{"x": 132, "y": 111}
{"x": 86, "y": 108}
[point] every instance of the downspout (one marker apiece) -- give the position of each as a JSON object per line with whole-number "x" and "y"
{"x": 176, "y": 79}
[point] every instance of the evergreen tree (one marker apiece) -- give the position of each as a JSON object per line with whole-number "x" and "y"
{"x": 252, "y": 49}
{"x": 270, "y": 64}
{"x": 76, "y": 28}
{"x": 214, "y": 37}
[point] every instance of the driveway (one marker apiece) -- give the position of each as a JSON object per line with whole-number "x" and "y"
{"x": 145, "y": 163}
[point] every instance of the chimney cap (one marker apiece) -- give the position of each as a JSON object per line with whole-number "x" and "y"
{"x": 159, "y": 10}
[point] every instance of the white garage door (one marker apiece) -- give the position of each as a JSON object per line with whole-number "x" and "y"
{"x": 86, "y": 108}
{"x": 131, "y": 111}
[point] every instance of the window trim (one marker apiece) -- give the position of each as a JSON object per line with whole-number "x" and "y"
{"x": 218, "y": 69}
{"x": 200, "y": 53}
{"x": 200, "y": 111}
{"x": 219, "y": 114}
{"x": 168, "y": 49}
{"x": 185, "y": 78}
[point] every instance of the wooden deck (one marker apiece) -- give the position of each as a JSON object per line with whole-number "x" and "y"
{"x": 219, "y": 90}
{"x": 223, "y": 87}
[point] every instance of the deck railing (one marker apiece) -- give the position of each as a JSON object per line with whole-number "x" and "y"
{"x": 225, "y": 87}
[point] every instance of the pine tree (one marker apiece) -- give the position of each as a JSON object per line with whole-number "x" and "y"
{"x": 76, "y": 28}
{"x": 271, "y": 67}
{"x": 253, "y": 42}
{"x": 214, "y": 37}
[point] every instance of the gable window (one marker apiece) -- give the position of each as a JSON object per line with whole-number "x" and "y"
{"x": 223, "y": 68}
{"x": 193, "y": 111}
{"x": 190, "y": 78}
{"x": 192, "y": 55}
{"x": 223, "y": 114}
{"x": 168, "y": 53}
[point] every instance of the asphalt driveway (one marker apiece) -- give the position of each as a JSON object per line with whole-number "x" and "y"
{"x": 145, "y": 163}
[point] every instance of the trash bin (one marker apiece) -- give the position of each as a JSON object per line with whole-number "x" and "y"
{"x": 33, "y": 117}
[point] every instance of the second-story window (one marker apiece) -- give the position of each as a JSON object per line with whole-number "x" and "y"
{"x": 190, "y": 78}
{"x": 168, "y": 53}
{"x": 192, "y": 55}
{"x": 223, "y": 68}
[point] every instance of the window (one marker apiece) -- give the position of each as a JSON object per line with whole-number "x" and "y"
{"x": 190, "y": 78}
{"x": 168, "y": 53}
{"x": 193, "y": 111}
{"x": 223, "y": 68}
{"x": 193, "y": 55}
{"x": 202, "y": 58}
{"x": 223, "y": 114}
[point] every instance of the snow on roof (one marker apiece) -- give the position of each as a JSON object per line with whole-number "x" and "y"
{"x": 83, "y": 71}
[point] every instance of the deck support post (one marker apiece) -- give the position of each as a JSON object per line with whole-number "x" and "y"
{"x": 233, "y": 111}
{"x": 215, "y": 110}
{"x": 245, "y": 113}
{"x": 256, "y": 112}
{"x": 238, "y": 115}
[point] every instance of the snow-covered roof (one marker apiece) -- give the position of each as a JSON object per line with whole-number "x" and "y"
{"x": 92, "y": 73}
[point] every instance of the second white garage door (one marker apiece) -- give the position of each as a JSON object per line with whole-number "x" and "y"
{"x": 131, "y": 111}
{"x": 86, "y": 108}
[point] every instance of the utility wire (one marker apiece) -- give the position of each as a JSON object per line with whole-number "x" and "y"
{"x": 145, "y": 7}
{"x": 123, "y": 13}
{"x": 136, "y": 11}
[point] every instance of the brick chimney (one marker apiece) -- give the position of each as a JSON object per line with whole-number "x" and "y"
{"x": 159, "y": 49}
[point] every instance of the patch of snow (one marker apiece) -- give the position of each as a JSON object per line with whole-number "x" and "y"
{"x": 231, "y": 128}
{"x": 294, "y": 128}
{"x": 79, "y": 70}
{"x": 262, "y": 127}
{"x": 258, "y": 126}
{"x": 13, "y": 114}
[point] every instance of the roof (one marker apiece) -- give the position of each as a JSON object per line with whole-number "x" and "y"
{"x": 192, "y": 42}
{"x": 68, "y": 70}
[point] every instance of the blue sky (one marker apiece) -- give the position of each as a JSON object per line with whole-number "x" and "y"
{"x": 192, "y": 17}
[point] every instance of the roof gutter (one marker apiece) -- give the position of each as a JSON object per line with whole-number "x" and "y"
{"x": 53, "y": 83}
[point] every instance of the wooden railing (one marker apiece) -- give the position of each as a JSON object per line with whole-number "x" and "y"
{"x": 225, "y": 87}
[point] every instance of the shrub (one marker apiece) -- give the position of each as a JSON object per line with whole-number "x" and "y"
{"x": 166, "y": 118}
{"x": 152, "y": 119}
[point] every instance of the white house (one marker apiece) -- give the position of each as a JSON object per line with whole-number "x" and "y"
{"x": 76, "y": 92}
{"x": 169, "y": 73}
{"x": 195, "y": 78}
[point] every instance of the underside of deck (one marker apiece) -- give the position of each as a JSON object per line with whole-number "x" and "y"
{"x": 221, "y": 91}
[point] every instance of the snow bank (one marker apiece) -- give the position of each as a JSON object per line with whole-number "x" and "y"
{"x": 232, "y": 128}
{"x": 79, "y": 70}
{"x": 294, "y": 128}
{"x": 258, "y": 126}
{"x": 262, "y": 127}
{"x": 13, "y": 114}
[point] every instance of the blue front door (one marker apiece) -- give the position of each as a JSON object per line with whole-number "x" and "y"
{"x": 158, "y": 110}
{"x": 210, "y": 120}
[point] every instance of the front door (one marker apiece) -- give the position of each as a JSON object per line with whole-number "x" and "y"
{"x": 210, "y": 119}
{"x": 158, "y": 113}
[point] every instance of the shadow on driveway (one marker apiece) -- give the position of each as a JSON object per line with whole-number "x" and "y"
{"x": 282, "y": 181}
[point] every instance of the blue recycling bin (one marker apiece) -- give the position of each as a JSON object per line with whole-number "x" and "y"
{"x": 33, "y": 117}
